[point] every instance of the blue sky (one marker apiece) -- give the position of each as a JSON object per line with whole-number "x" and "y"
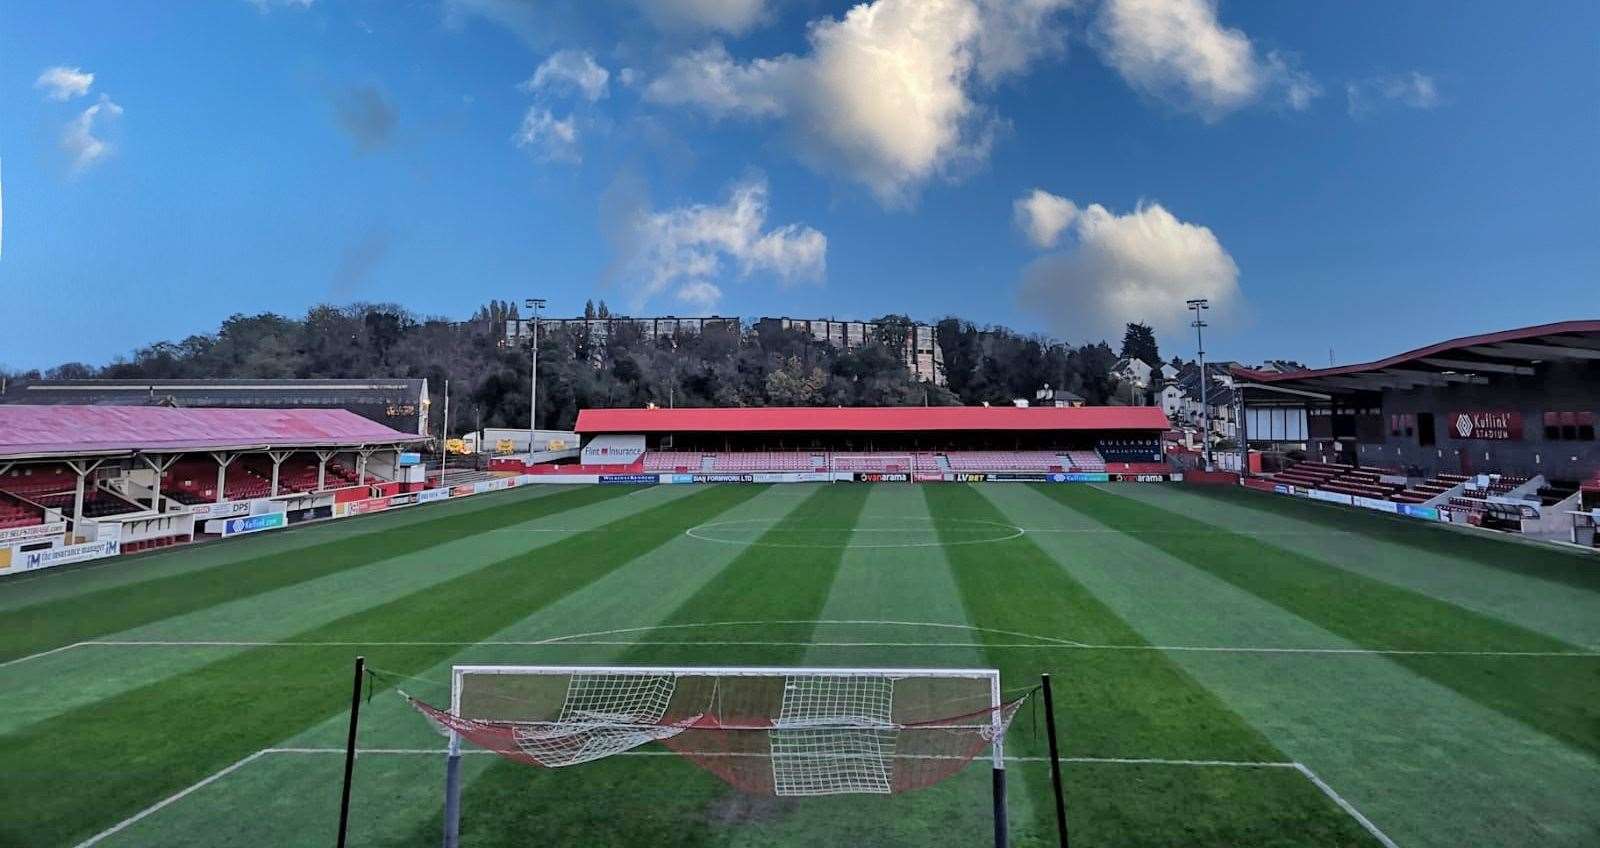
{"x": 1363, "y": 176}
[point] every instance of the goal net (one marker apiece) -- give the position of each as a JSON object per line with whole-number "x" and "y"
{"x": 872, "y": 463}
{"x": 770, "y": 731}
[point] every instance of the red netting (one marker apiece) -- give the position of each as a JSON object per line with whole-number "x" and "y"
{"x": 806, "y": 735}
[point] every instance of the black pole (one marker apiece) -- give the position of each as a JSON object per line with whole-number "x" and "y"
{"x": 1000, "y": 836}
{"x": 1055, "y": 761}
{"x": 350, "y": 749}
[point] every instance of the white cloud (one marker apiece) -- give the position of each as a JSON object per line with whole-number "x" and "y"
{"x": 570, "y": 70}
{"x": 549, "y": 138}
{"x": 79, "y": 139}
{"x": 1043, "y": 216}
{"x": 885, "y": 97}
{"x": 734, "y": 17}
{"x": 1141, "y": 266}
{"x": 682, "y": 250}
{"x": 64, "y": 83}
{"x": 1413, "y": 88}
{"x": 700, "y": 296}
{"x": 1177, "y": 51}
{"x": 1013, "y": 34}
{"x": 265, "y": 6}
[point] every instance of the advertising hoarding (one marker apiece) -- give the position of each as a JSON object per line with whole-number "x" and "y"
{"x": 249, "y": 524}
{"x": 33, "y": 531}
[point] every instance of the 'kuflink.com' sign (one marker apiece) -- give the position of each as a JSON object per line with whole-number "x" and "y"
{"x": 255, "y": 523}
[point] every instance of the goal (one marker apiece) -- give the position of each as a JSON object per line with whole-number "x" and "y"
{"x": 763, "y": 730}
{"x": 877, "y": 463}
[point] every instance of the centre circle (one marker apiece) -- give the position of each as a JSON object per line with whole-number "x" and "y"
{"x": 870, "y": 532}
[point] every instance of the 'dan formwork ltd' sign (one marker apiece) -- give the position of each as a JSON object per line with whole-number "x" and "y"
{"x": 1489, "y": 425}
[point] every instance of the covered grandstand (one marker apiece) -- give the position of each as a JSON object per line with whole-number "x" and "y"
{"x": 1495, "y": 429}
{"x": 75, "y": 475}
{"x": 399, "y": 403}
{"x": 930, "y": 443}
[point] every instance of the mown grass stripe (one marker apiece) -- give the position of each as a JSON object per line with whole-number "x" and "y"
{"x": 1124, "y": 704}
{"x": 1569, "y": 568}
{"x": 113, "y": 610}
{"x": 667, "y": 802}
{"x": 93, "y": 766}
{"x": 1560, "y": 697}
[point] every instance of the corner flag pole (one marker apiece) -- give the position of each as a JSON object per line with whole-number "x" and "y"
{"x": 1055, "y": 762}
{"x": 350, "y": 749}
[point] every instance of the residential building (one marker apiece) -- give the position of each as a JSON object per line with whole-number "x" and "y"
{"x": 920, "y": 353}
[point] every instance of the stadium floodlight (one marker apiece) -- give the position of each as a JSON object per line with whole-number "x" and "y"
{"x": 534, "y": 303}
{"x": 776, "y": 731}
{"x": 1197, "y": 305}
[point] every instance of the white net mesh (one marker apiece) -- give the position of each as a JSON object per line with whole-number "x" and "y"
{"x": 787, "y": 732}
{"x": 603, "y": 714}
{"x": 834, "y": 734}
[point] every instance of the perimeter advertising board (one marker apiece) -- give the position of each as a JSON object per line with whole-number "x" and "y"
{"x": 12, "y": 535}
{"x": 366, "y": 506}
{"x": 12, "y": 560}
{"x": 629, "y": 479}
{"x": 1375, "y": 503}
{"x": 879, "y": 477}
{"x": 1330, "y": 497}
{"x": 250, "y": 524}
{"x": 226, "y": 509}
{"x": 724, "y": 478}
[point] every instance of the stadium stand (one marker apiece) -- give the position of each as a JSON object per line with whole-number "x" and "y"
{"x": 1083, "y": 460}
{"x": 682, "y": 461}
{"x": 1429, "y": 489}
{"x": 15, "y": 512}
{"x": 769, "y": 461}
{"x": 1006, "y": 461}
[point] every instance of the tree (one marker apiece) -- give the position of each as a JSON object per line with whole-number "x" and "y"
{"x": 795, "y": 385}
{"x": 603, "y": 311}
{"x": 1139, "y": 342}
{"x": 588, "y": 310}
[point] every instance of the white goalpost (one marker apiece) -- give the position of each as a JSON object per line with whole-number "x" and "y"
{"x": 884, "y": 463}
{"x": 779, "y": 731}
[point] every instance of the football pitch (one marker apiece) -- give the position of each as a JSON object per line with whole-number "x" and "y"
{"x": 1230, "y": 668}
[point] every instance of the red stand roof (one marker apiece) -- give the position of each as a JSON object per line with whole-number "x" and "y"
{"x": 904, "y": 419}
{"x": 67, "y": 430}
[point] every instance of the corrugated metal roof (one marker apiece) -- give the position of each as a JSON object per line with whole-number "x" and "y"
{"x": 64, "y": 430}
{"x": 870, "y": 419}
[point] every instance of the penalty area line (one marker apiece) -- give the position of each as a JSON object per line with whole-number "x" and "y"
{"x": 1321, "y": 785}
{"x": 724, "y": 643}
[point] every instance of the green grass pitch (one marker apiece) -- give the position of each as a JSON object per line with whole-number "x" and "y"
{"x": 1230, "y": 668}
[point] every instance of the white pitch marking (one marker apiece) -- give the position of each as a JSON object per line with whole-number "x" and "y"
{"x": 1011, "y": 532}
{"x": 171, "y": 799}
{"x": 41, "y": 654}
{"x": 1349, "y": 808}
{"x": 219, "y": 643}
{"x": 1310, "y": 775}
